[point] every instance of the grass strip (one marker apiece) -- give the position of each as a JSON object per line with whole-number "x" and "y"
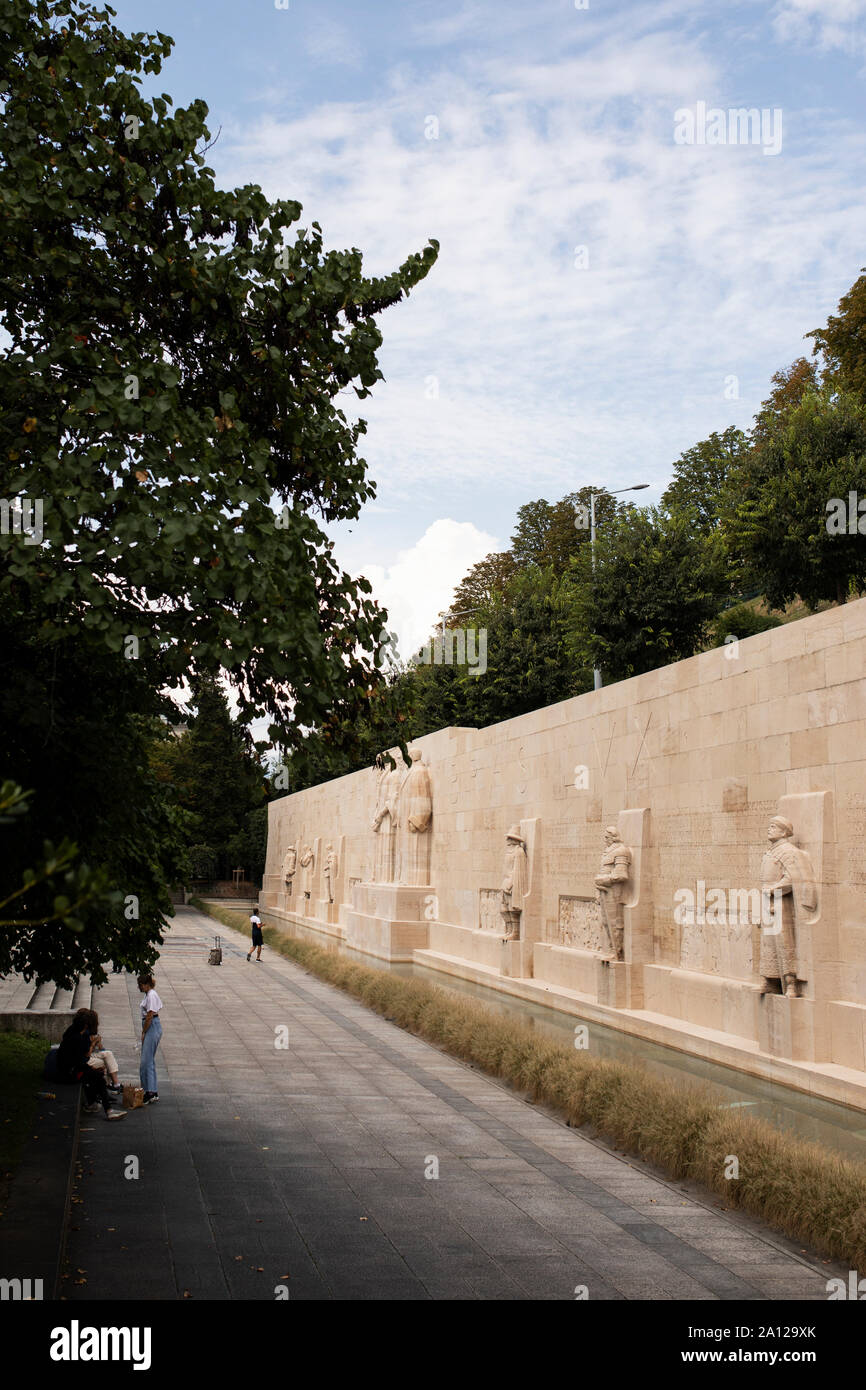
{"x": 22, "y": 1056}
{"x": 805, "y": 1191}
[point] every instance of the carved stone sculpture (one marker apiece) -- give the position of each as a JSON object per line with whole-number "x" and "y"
{"x": 290, "y": 864}
{"x": 612, "y": 883}
{"x": 417, "y": 799}
{"x": 329, "y": 872}
{"x": 515, "y": 882}
{"x": 789, "y": 890}
{"x": 385, "y": 820}
{"x": 307, "y": 864}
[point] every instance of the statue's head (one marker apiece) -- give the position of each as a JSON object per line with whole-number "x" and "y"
{"x": 415, "y": 754}
{"x": 779, "y": 829}
{"x": 515, "y": 835}
{"x": 611, "y": 835}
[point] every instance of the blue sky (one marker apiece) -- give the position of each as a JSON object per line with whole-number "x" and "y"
{"x": 525, "y": 366}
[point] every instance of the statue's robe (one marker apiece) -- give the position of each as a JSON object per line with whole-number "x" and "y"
{"x": 417, "y": 797}
{"x": 385, "y": 826}
{"x": 791, "y": 867}
{"x": 329, "y": 874}
{"x": 308, "y": 861}
{"x": 515, "y": 875}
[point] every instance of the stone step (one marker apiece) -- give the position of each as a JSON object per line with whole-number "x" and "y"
{"x": 83, "y": 995}
{"x": 42, "y": 997}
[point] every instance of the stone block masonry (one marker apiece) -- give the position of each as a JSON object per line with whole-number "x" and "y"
{"x": 681, "y": 855}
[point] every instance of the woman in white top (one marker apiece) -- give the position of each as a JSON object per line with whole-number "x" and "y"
{"x": 151, "y": 1032}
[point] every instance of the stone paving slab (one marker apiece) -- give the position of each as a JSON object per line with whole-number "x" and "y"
{"x": 305, "y": 1167}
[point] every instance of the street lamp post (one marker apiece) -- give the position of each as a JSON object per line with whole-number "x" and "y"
{"x": 636, "y": 487}
{"x": 449, "y": 614}
{"x": 461, "y": 614}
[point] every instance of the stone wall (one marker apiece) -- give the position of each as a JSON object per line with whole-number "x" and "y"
{"x": 688, "y": 764}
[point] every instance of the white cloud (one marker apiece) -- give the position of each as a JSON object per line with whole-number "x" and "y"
{"x": 420, "y": 583}
{"x": 829, "y": 23}
{"x": 329, "y": 43}
{"x": 703, "y": 262}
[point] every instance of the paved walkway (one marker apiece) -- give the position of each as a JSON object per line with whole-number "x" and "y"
{"x": 305, "y": 1167}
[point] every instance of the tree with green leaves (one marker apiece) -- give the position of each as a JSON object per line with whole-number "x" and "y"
{"x": 790, "y": 385}
{"x": 78, "y": 723}
{"x": 209, "y": 768}
{"x": 531, "y": 652}
{"x": 552, "y": 534}
{"x": 657, "y": 583}
{"x": 483, "y": 582}
{"x": 175, "y": 360}
{"x": 174, "y": 363}
{"x": 843, "y": 341}
{"x": 701, "y": 476}
{"x": 55, "y": 870}
{"x": 789, "y": 490}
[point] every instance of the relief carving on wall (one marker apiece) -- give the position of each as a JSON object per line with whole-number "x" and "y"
{"x": 580, "y": 924}
{"x": 490, "y": 910}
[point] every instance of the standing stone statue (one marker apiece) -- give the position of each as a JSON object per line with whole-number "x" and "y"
{"x": 385, "y": 820}
{"x": 612, "y": 884}
{"x": 307, "y": 863}
{"x": 329, "y": 872}
{"x": 417, "y": 797}
{"x": 788, "y": 890}
{"x": 515, "y": 882}
{"x": 290, "y": 864}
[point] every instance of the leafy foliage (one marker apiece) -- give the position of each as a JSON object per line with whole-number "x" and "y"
{"x": 701, "y": 476}
{"x": 174, "y": 361}
{"x": 209, "y": 769}
{"x": 78, "y": 720}
{"x": 741, "y": 621}
{"x": 777, "y": 525}
{"x": 843, "y": 341}
{"x": 176, "y": 353}
{"x": 658, "y": 581}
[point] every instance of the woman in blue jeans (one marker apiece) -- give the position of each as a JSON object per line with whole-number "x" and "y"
{"x": 151, "y": 1032}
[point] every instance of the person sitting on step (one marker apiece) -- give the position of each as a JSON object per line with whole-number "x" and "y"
{"x": 100, "y": 1058}
{"x": 73, "y": 1064}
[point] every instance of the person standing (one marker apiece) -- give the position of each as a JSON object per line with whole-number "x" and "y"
{"x": 151, "y": 1032}
{"x": 258, "y": 939}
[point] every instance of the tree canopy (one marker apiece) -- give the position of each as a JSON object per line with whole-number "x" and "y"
{"x": 842, "y": 341}
{"x": 208, "y": 768}
{"x": 176, "y": 354}
{"x": 169, "y": 400}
